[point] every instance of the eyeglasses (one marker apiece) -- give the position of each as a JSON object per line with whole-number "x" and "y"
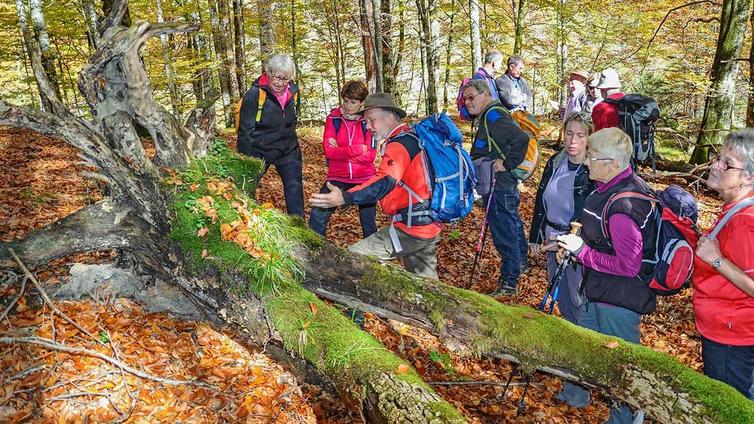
{"x": 592, "y": 159}
{"x": 723, "y": 164}
{"x": 585, "y": 117}
{"x": 470, "y": 98}
{"x": 280, "y": 78}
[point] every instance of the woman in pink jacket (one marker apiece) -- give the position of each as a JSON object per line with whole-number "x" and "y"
{"x": 350, "y": 154}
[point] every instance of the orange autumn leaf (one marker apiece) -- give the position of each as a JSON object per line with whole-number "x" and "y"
{"x": 612, "y": 345}
{"x": 202, "y": 232}
{"x": 193, "y": 187}
{"x": 268, "y": 205}
{"x": 313, "y": 307}
{"x": 402, "y": 369}
{"x": 226, "y": 231}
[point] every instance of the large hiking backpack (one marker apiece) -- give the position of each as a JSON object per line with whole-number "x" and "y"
{"x": 638, "y": 117}
{"x": 530, "y": 125}
{"x": 452, "y": 176}
{"x": 463, "y": 113}
{"x": 674, "y": 212}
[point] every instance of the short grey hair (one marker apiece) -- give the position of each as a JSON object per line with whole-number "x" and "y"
{"x": 493, "y": 56}
{"x": 515, "y": 60}
{"x": 613, "y": 143}
{"x": 742, "y": 141}
{"x": 480, "y": 85}
{"x": 280, "y": 63}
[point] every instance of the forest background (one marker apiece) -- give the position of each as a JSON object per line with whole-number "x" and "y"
{"x": 420, "y": 50}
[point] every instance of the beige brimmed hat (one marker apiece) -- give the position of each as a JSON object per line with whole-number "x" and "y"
{"x": 383, "y": 101}
{"x": 609, "y": 79}
{"x": 580, "y": 72}
{"x": 594, "y": 80}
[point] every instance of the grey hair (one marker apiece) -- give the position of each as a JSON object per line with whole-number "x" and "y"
{"x": 493, "y": 56}
{"x": 743, "y": 142}
{"x": 280, "y": 63}
{"x": 515, "y": 60}
{"x": 613, "y": 143}
{"x": 480, "y": 85}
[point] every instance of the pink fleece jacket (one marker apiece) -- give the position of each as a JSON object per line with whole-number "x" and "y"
{"x": 352, "y": 160}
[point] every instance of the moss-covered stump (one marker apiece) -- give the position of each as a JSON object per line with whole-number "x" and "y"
{"x": 243, "y": 253}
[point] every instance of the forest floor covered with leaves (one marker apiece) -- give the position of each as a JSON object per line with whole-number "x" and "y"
{"x": 40, "y": 183}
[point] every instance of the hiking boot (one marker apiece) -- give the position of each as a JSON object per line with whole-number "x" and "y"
{"x": 504, "y": 290}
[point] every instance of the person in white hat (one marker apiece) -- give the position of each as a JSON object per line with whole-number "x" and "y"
{"x": 605, "y": 114}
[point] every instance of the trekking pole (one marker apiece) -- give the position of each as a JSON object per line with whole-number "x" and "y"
{"x": 483, "y": 235}
{"x": 553, "y": 289}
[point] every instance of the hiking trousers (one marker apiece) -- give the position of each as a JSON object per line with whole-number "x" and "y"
{"x": 419, "y": 255}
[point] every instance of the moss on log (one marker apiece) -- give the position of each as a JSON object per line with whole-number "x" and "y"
{"x": 249, "y": 248}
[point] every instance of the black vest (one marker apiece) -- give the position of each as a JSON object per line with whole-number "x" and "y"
{"x": 628, "y": 292}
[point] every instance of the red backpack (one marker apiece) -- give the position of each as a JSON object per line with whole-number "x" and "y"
{"x": 675, "y": 240}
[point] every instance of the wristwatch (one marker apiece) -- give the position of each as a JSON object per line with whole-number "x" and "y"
{"x": 717, "y": 263}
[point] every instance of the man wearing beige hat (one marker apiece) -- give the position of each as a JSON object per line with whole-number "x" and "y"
{"x": 605, "y": 114}
{"x": 577, "y": 96}
{"x": 401, "y": 178}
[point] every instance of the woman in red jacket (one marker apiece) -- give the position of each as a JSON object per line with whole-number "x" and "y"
{"x": 350, "y": 154}
{"x": 724, "y": 266}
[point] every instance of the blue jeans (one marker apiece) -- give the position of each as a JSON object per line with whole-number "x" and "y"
{"x": 508, "y": 233}
{"x": 320, "y": 217}
{"x": 733, "y": 365}
{"x": 613, "y": 321}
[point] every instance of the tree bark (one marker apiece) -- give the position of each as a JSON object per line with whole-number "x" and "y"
{"x": 228, "y": 57}
{"x": 427, "y": 10}
{"x": 377, "y": 40}
{"x": 239, "y": 36}
{"x": 43, "y": 39}
{"x": 90, "y": 20}
{"x": 168, "y": 63}
{"x": 223, "y": 75}
{"x": 475, "y": 36}
{"x": 718, "y": 106}
{"x": 388, "y": 51}
{"x": 448, "y": 51}
{"x": 366, "y": 19}
{"x": 750, "y": 99}
{"x": 266, "y": 32}
{"x": 519, "y": 12}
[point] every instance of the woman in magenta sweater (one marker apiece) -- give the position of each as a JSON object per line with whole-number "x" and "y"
{"x": 350, "y": 154}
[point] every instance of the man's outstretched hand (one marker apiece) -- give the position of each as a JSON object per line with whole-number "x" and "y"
{"x": 327, "y": 200}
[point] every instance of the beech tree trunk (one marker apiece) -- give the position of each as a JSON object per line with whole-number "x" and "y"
{"x": 718, "y": 106}
{"x": 266, "y": 32}
{"x": 239, "y": 37}
{"x": 750, "y": 99}
{"x": 168, "y": 63}
{"x": 223, "y": 75}
{"x": 475, "y": 36}
{"x": 519, "y": 14}
{"x": 366, "y": 18}
{"x": 428, "y": 25}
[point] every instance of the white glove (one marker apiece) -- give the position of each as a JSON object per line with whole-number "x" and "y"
{"x": 570, "y": 242}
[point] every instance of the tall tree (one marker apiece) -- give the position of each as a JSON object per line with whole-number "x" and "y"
{"x": 228, "y": 57}
{"x": 562, "y": 40}
{"x": 427, "y": 11}
{"x": 448, "y": 51}
{"x": 366, "y": 20}
{"x": 169, "y": 72}
{"x": 475, "y": 35}
{"x": 377, "y": 36}
{"x": 718, "y": 107}
{"x": 239, "y": 36}
{"x": 266, "y": 31}
{"x": 519, "y": 20}
{"x": 388, "y": 49}
{"x": 219, "y": 42}
{"x": 90, "y": 21}
{"x": 750, "y": 100}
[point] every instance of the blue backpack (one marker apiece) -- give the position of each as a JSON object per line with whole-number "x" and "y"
{"x": 452, "y": 171}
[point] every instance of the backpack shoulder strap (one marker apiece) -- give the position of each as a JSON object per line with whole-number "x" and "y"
{"x": 260, "y": 103}
{"x": 486, "y": 128}
{"x": 623, "y": 195}
{"x": 728, "y": 215}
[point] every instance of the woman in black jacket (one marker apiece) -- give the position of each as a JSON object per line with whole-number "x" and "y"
{"x": 267, "y": 127}
{"x": 554, "y": 210}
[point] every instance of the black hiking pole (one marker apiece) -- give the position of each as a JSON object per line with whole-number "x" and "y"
{"x": 483, "y": 235}
{"x": 553, "y": 288}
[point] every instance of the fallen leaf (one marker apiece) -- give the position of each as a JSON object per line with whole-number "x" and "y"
{"x": 402, "y": 369}
{"x": 202, "y": 232}
{"x": 612, "y": 345}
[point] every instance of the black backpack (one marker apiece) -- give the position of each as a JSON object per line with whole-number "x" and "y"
{"x": 638, "y": 117}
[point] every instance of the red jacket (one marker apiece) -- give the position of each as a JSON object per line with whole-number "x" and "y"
{"x": 402, "y": 161}
{"x": 723, "y": 312}
{"x": 605, "y": 115}
{"x": 348, "y": 162}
